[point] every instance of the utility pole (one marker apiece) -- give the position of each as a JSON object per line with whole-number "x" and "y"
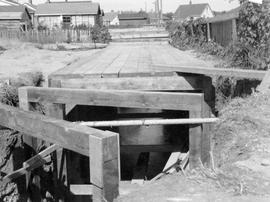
{"x": 161, "y": 10}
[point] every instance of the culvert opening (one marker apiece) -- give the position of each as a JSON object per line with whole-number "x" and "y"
{"x": 144, "y": 149}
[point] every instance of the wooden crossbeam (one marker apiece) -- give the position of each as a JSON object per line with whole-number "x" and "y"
{"x": 65, "y": 134}
{"x": 148, "y": 122}
{"x": 81, "y": 189}
{"x": 31, "y": 164}
{"x": 114, "y": 98}
{"x": 183, "y": 83}
{"x": 229, "y": 72}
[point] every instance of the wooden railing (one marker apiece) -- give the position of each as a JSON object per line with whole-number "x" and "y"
{"x": 101, "y": 147}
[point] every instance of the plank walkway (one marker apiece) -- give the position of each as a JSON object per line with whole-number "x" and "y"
{"x": 131, "y": 60}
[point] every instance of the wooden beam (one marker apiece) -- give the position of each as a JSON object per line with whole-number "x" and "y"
{"x": 148, "y": 122}
{"x": 113, "y": 98}
{"x": 31, "y": 164}
{"x": 211, "y": 71}
{"x": 184, "y": 83}
{"x": 149, "y": 148}
{"x": 195, "y": 135}
{"x": 65, "y": 134}
{"x": 104, "y": 165}
{"x": 81, "y": 189}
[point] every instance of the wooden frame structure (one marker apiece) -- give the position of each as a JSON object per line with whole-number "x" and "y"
{"x": 192, "y": 102}
{"x": 100, "y": 146}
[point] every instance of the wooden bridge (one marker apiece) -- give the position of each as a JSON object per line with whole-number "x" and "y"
{"x": 143, "y": 76}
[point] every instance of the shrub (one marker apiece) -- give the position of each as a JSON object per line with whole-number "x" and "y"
{"x": 100, "y": 34}
{"x": 9, "y": 91}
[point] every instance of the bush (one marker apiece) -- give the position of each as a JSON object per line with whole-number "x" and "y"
{"x": 100, "y": 34}
{"x": 250, "y": 51}
{"x": 9, "y": 91}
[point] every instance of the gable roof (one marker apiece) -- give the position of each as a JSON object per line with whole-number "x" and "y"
{"x": 110, "y": 16}
{"x": 69, "y": 8}
{"x": 31, "y": 7}
{"x": 13, "y": 12}
{"x": 133, "y": 16}
{"x": 229, "y": 15}
{"x": 190, "y": 10}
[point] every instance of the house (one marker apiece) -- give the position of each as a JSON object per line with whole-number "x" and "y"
{"x": 8, "y": 3}
{"x": 222, "y": 28}
{"x": 32, "y": 10}
{"x": 14, "y": 18}
{"x": 111, "y": 18}
{"x": 185, "y": 12}
{"x": 133, "y": 19}
{"x": 68, "y": 14}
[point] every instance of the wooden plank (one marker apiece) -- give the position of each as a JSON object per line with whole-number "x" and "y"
{"x": 149, "y": 148}
{"x": 133, "y": 99}
{"x": 173, "y": 159}
{"x": 265, "y": 85}
{"x": 195, "y": 136}
{"x": 31, "y": 164}
{"x": 81, "y": 189}
{"x": 104, "y": 165}
{"x": 185, "y": 83}
{"x": 208, "y": 110}
{"x": 229, "y": 72}
{"x": 65, "y": 134}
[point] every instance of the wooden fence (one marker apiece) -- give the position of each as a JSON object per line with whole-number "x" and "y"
{"x": 47, "y": 36}
{"x": 101, "y": 147}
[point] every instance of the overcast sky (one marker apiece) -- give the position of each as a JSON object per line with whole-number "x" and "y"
{"x": 168, "y": 5}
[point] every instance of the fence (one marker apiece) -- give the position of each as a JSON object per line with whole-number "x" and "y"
{"x": 47, "y": 36}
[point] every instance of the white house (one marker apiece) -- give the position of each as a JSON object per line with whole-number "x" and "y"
{"x": 67, "y": 14}
{"x": 187, "y": 11}
{"x": 111, "y": 18}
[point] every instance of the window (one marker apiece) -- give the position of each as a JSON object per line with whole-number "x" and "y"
{"x": 66, "y": 19}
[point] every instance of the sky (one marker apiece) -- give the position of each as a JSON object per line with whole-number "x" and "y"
{"x": 168, "y": 5}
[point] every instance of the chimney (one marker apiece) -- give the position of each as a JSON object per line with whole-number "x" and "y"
{"x": 66, "y": 0}
{"x": 30, "y": 2}
{"x": 48, "y": 1}
{"x": 190, "y": 2}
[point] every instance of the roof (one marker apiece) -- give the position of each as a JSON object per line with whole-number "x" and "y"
{"x": 190, "y": 10}
{"x": 133, "y": 16}
{"x": 229, "y": 15}
{"x": 12, "y": 12}
{"x": 110, "y": 16}
{"x": 69, "y": 8}
{"x": 31, "y": 8}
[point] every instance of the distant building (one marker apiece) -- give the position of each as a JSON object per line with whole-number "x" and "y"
{"x": 8, "y": 3}
{"x": 67, "y": 14}
{"x": 223, "y": 27}
{"x": 111, "y": 18}
{"x": 193, "y": 10}
{"x": 133, "y": 19}
{"x": 14, "y": 18}
{"x": 32, "y": 10}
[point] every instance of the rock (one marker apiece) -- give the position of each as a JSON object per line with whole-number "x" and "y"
{"x": 265, "y": 162}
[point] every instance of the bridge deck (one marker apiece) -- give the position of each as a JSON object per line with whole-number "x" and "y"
{"x": 131, "y": 59}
